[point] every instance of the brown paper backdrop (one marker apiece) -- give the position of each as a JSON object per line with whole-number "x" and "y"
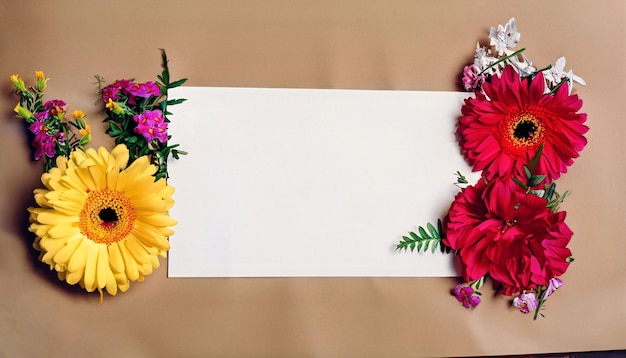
{"x": 392, "y": 44}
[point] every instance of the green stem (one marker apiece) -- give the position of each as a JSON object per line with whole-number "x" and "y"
{"x": 505, "y": 58}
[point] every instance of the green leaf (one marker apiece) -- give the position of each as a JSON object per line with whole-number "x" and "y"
{"x": 177, "y": 83}
{"x": 173, "y": 102}
{"x": 432, "y": 230}
{"x": 550, "y": 192}
{"x": 519, "y": 182}
{"x": 535, "y": 180}
{"x": 535, "y": 159}
{"x": 424, "y": 240}
{"x": 527, "y": 172}
{"x": 422, "y": 232}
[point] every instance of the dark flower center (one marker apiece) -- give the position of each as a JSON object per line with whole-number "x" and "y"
{"x": 525, "y": 129}
{"x": 522, "y": 132}
{"x": 108, "y": 215}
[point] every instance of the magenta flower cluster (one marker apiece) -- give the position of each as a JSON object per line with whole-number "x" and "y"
{"x": 46, "y": 136}
{"x": 130, "y": 90}
{"x": 151, "y": 125}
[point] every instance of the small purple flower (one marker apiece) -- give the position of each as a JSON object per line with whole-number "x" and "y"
{"x": 526, "y": 302}
{"x": 553, "y": 285}
{"x": 42, "y": 116}
{"x": 465, "y": 295}
{"x": 152, "y": 125}
{"x": 472, "y": 79}
{"x": 55, "y": 108}
{"x": 46, "y": 144}
{"x": 38, "y": 126}
{"x": 110, "y": 92}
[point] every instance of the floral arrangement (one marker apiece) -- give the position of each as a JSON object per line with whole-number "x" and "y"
{"x": 102, "y": 219}
{"x": 522, "y": 129}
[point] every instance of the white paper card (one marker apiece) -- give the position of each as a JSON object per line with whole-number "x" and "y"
{"x": 310, "y": 182}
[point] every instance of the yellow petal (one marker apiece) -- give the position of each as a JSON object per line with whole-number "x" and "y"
{"x": 138, "y": 252}
{"x": 103, "y": 266}
{"x": 79, "y": 257}
{"x": 50, "y": 249}
{"x": 65, "y": 254}
{"x": 111, "y": 284}
{"x": 132, "y": 272}
{"x": 151, "y": 237}
{"x": 64, "y": 231}
{"x": 40, "y": 197}
{"x": 54, "y": 217}
{"x": 120, "y": 153}
{"x": 122, "y": 281}
{"x": 73, "y": 277}
{"x": 91, "y": 266}
{"x": 115, "y": 258}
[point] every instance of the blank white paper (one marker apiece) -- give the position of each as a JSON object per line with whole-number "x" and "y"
{"x": 310, "y": 182}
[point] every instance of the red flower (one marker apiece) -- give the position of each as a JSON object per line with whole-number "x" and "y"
{"x": 503, "y": 127}
{"x": 500, "y": 230}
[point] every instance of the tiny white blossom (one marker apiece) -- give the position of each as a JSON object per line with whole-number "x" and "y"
{"x": 505, "y": 37}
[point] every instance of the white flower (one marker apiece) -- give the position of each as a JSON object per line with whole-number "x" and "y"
{"x": 505, "y": 37}
{"x": 524, "y": 67}
{"x": 483, "y": 58}
{"x": 555, "y": 74}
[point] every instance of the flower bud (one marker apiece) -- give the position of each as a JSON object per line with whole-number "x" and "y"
{"x": 42, "y": 81}
{"x": 18, "y": 83}
{"x": 22, "y": 112}
{"x": 85, "y": 139}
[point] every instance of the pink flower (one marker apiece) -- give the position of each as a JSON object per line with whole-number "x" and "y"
{"x": 553, "y": 285}
{"x": 502, "y": 127}
{"x": 500, "y": 230}
{"x": 472, "y": 79}
{"x": 152, "y": 125}
{"x": 42, "y": 116}
{"x": 45, "y": 144}
{"x": 55, "y": 108}
{"x": 465, "y": 295}
{"x": 145, "y": 90}
{"x": 116, "y": 88}
{"x": 526, "y": 302}
{"x": 38, "y": 126}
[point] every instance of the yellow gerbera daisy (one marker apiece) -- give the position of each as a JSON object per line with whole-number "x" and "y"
{"x": 100, "y": 223}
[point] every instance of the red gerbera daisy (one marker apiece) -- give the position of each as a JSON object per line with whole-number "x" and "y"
{"x": 504, "y": 126}
{"x": 500, "y": 230}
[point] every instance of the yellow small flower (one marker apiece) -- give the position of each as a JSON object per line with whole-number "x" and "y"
{"x": 42, "y": 81}
{"x": 18, "y": 83}
{"x": 114, "y": 106}
{"x": 78, "y": 114}
{"x": 22, "y": 112}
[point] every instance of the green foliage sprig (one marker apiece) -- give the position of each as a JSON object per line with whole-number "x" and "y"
{"x": 425, "y": 239}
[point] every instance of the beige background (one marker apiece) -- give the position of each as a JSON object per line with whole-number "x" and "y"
{"x": 391, "y": 44}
